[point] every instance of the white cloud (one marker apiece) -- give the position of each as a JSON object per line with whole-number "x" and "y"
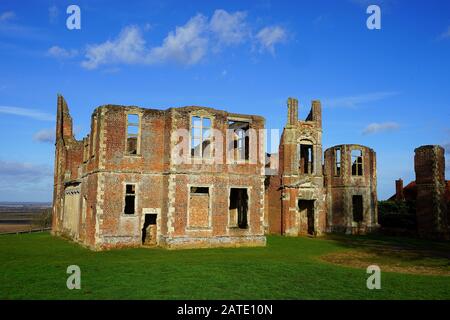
{"x": 187, "y": 44}
{"x": 30, "y": 113}
{"x": 45, "y": 135}
{"x": 357, "y": 100}
{"x": 8, "y": 15}
{"x": 374, "y": 128}
{"x": 128, "y": 48}
{"x": 268, "y": 37}
{"x": 53, "y": 13}
{"x": 229, "y": 28}
{"x": 61, "y": 53}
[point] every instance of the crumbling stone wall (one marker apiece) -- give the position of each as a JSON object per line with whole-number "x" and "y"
{"x": 101, "y": 169}
{"x": 346, "y": 184}
{"x": 431, "y": 206}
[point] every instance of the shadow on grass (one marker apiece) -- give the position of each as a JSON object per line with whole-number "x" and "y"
{"x": 396, "y": 254}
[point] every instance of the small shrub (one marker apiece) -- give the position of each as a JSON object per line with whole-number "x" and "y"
{"x": 397, "y": 214}
{"x": 44, "y": 219}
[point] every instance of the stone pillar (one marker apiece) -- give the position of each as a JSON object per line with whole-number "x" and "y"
{"x": 431, "y": 207}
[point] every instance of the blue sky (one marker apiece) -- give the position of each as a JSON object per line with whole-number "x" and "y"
{"x": 388, "y": 89}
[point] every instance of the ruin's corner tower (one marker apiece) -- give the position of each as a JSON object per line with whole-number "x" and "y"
{"x": 431, "y": 207}
{"x": 351, "y": 189}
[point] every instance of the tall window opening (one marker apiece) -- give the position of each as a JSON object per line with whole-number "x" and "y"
{"x": 94, "y": 137}
{"x": 306, "y": 162}
{"x": 241, "y": 146}
{"x": 238, "y": 207}
{"x": 357, "y": 163}
{"x": 130, "y": 199}
{"x": 86, "y": 149}
{"x": 201, "y": 137}
{"x": 133, "y": 134}
{"x": 337, "y": 162}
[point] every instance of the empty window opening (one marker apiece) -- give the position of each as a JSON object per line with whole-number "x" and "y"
{"x": 149, "y": 230}
{"x": 130, "y": 197}
{"x": 201, "y": 137}
{"x": 337, "y": 162}
{"x": 306, "y": 209}
{"x": 306, "y": 162}
{"x": 357, "y": 163}
{"x": 357, "y": 202}
{"x": 86, "y": 149}
{"x": 200, "y": 190}
{"x": 94, "y": 137}
{"x": 133, "y": 134}
{"x": 241, "y": 139}
{"x": 238, "y": 207}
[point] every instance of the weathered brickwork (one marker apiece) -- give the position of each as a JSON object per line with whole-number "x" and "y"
{"x": 431, "y": 202}
{"x": 309, "y": 197}
{"x": 199, "y": 177}
{"x": 350, "y": 182}
{"x": 123, "y": 185}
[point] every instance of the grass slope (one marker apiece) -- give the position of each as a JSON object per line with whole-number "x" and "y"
{"x": 33, "y": 266}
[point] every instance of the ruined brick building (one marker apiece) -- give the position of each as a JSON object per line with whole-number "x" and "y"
{"x": 128, "y": 184}
{"x": 430, "y": 192}
{"x": 308, "y": 197}
{"x": 198, "y": 177}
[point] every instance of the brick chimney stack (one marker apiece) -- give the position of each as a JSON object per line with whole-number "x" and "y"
{"x": 292, "y": 111}
{"x": 399, "y": 196}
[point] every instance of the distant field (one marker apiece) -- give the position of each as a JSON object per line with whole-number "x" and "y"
{"x": 15, "y": 227}
{"x": 16, "y": 217}
{"x": 33, "y": 266}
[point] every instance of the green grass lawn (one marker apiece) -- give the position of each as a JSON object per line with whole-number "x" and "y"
{"x": 33, "y": 266}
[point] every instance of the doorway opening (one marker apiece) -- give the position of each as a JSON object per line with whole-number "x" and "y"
{"x": 357, "y": 202}
{"x": 149, "y": 230}
{"x": 238, "y": 208}
{"x": 306, "y": 207}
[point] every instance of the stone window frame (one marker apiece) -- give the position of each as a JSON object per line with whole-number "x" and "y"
{"x": 336, "y": 173}
{"x": 201, "y": 114}
{"x": 86, "y": 149}
{"x": 210, "y": 189}
{"x": 249, "y": 204}
{"x": 139, "y": 134}
{"x": 84, "y": 202}
{"x": 312, "y": 143}
{"x": 249, "y": 121}
{"x": 363, "y": 155}
{"x": 124, "y": 193}
{"x": 94, "y": 136}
